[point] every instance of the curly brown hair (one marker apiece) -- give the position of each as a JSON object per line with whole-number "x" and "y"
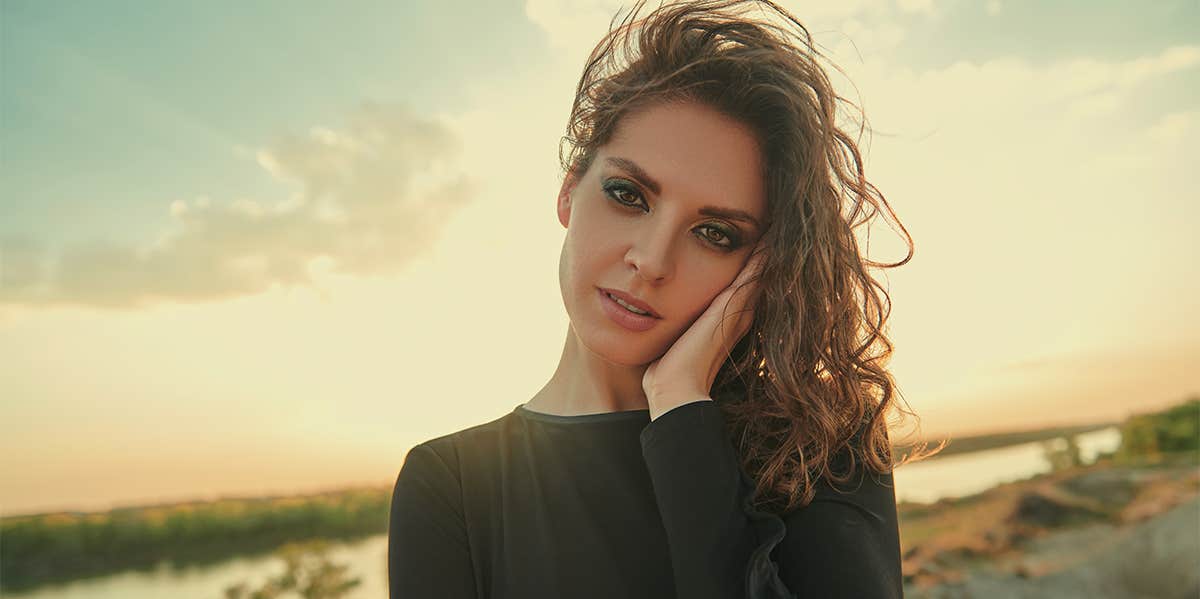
{"x": 817, "y": 348}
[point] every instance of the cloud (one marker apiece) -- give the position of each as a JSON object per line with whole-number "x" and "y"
{"x": 369, "y": 197}
{"x": 575, "y": 26}
{"x": 916, "y": 6}
{"x": 1175, "y": 126}
{"x": 1009, "y": 98}
{"x": 1093, "y": 81}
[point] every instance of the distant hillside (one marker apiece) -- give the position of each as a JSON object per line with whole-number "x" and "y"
{"x": 961, "y": 445}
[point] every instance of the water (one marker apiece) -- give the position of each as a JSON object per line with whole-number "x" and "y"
{"x": 970, "y": 473}
{"x": 921, "y": 481}
{"x": 367, "y": 559}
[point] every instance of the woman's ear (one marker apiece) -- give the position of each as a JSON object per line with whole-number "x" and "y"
{"x": 564, "y": 198}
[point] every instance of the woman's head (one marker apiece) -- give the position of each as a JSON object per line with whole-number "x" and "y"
{"x": 668, "y": 212}
{"x": 733, "y": 110}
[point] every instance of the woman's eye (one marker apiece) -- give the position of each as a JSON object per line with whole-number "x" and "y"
{"x": 616, "y": 192}
{"x": 730, "y": 244}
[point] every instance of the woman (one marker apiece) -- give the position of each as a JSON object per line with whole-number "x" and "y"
{"x": 716, "y": 424}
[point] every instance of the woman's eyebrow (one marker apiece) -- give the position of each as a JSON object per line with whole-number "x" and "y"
{"x": 645, "y": 179}
{"x": 637, "y": 172}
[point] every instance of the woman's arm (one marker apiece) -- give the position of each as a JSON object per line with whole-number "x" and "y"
{"x": 844, "y": 545}
{"x": 428, "y": 554}
{"x": 840, "y": 545}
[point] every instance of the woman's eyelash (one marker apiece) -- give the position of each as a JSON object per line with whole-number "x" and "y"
{"x": 614, "y": 190}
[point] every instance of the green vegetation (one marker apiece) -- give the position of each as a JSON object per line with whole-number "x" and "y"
{"x": 1175, "y": 430}
{"x": 65, "y": 546}
{"x": 309, "y": 575}
{"x": 1062, "y": 453}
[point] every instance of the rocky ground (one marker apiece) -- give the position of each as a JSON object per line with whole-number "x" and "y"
{"x": 1102, "y": 531}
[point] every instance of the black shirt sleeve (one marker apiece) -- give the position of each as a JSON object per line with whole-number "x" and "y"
{"x": 843, "y": 544}
{"x": 428, "y": 554}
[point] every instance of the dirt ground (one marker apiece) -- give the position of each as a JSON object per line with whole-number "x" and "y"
{"x": 1095, "y": 532}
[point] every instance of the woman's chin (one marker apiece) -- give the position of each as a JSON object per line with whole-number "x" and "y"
{"x": 618, "y": 351}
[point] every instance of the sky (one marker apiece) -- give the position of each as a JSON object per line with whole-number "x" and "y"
{"x": 265, "y": 248}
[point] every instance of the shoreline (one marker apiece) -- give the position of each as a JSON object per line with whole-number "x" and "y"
{"x": 1059, "y": 534}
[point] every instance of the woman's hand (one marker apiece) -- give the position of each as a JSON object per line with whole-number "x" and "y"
{"x": 687, "y": 371}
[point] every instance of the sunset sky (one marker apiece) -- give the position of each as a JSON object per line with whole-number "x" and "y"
{"x": 267, "y": 247}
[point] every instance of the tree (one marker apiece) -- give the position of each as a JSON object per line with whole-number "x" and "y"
{"x": 310, "y": 575}
{"x": 1062, "y": 453}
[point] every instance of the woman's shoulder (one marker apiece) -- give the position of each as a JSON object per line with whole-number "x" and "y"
{"x": 475, "y": 438}
{"x": 851, "y": 482}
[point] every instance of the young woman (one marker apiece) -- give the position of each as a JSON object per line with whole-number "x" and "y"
{"x": 716, "y": 426}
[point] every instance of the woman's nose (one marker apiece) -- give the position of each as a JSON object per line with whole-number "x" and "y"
{"x": 651, "y": 254}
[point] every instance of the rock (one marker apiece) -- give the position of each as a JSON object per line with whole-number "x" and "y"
{"x": 1047, "y": 509}
{"x": 1111, "y": 487}
{"x": 1156, "y": 558}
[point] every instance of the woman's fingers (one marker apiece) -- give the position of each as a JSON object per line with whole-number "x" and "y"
{"x": 741, "y": 305}
{"x": 750, "y": 275}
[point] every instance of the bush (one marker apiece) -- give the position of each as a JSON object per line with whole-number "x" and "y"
{"x": 1173, "y": 430}
{"x": 309, "y": 575}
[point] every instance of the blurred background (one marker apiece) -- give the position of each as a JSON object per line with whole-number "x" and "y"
{"x": 248, "y": 250}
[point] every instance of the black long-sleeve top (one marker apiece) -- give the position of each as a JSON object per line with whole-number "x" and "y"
{"x": 614, "y": 505}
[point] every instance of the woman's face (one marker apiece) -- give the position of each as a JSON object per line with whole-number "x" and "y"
{"x": 638, "y": 221}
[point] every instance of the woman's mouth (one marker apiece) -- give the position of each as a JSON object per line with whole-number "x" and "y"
{"x": 622, "y": 315}
{"x": 625, "y": 305}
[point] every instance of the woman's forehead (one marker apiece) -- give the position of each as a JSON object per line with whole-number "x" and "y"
{"x": 691, "y": 150}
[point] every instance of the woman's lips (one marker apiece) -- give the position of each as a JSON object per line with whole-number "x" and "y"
{"x": 618, "y": 314}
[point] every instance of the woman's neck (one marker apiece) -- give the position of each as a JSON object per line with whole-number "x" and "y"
{"x": 585, "y": 383}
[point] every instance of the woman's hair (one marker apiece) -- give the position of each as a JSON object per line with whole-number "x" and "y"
{"x": 806, "y": 388}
